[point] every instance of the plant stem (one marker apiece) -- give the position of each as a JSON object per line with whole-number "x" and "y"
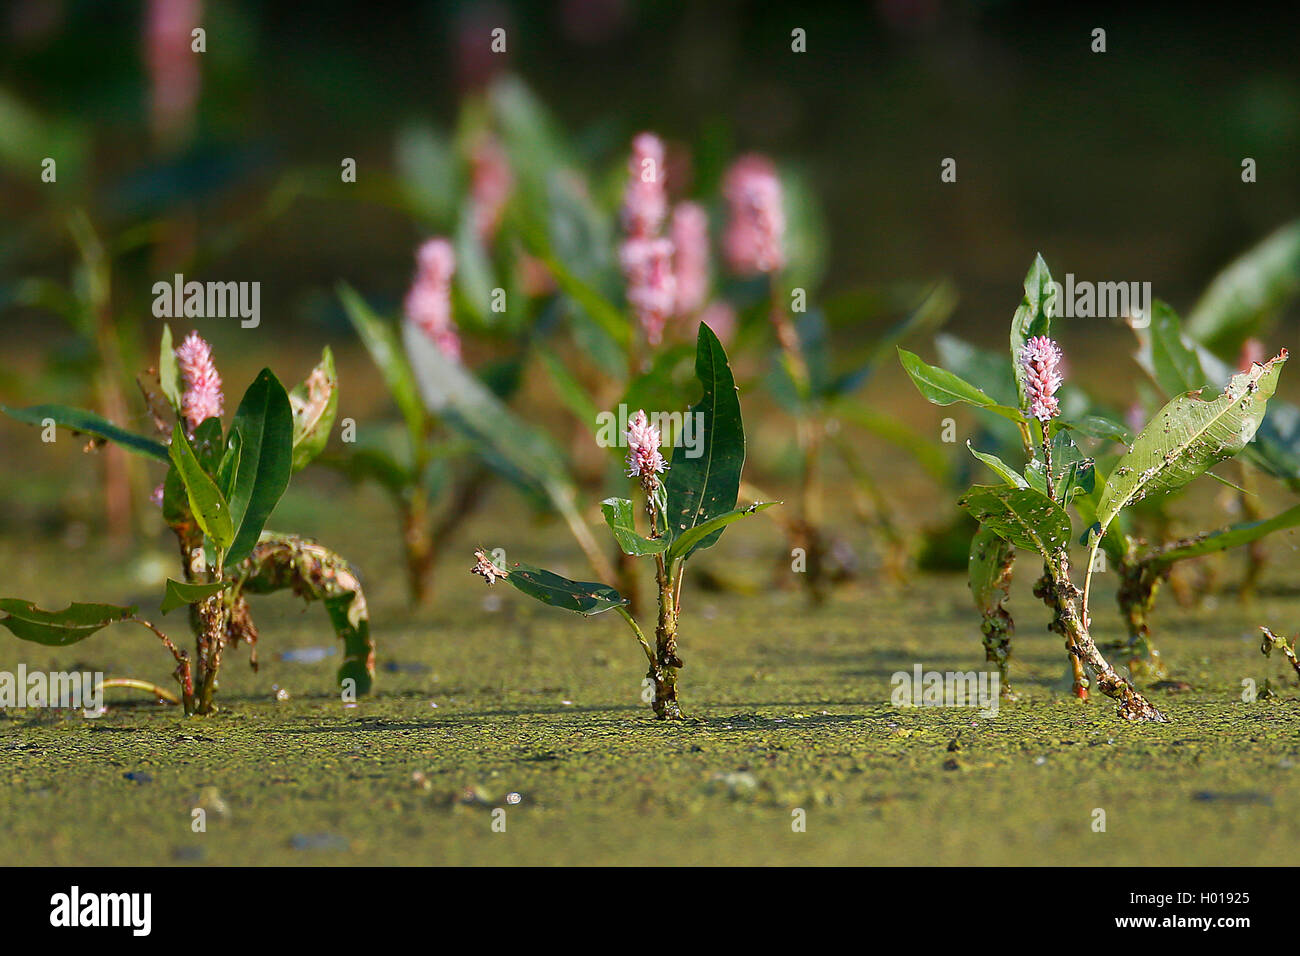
{"x": 144, "y": 685}
{"x": 182, "y": 673}
{"x": 1071, "y": 623}
{"x": 663, "y": 670}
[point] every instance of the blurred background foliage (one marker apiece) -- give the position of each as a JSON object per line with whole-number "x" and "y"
{"x": 1116, "y": 166}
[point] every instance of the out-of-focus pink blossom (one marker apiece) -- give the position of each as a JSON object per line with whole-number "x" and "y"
{"x": 1252, "y": 353}
{"x": 643, "y": 458}
{"x": 173, "y": 65}
{"x": 490, "y": 183}
{"x": 755, "y": 235}
{"x": 201, "y": 398}
{"x": 1040, "y": 357}
{"x": 428, "y": 303}
{"x": 690, "y": 235}
{"x": 651, "y": 285}
{"x": 645, "y": 202}
{"x": 156, "y": 496}
{"x": 721, "y": 318}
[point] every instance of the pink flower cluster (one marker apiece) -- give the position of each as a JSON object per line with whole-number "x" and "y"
{"x": 1040, "y": 358}
{"x": 173, "y": 65}
{"x": 201, "y": 398}
{"x": 646, "y": 257}
{"x": 428, "y": 303}
{"x": 690, "y": 236}
{"x": 490, "y": 184}
{"x": 643, "y": 458}
{"x": 755, "y": 236}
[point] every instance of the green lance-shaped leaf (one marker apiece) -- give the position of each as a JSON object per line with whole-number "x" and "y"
{"x": 584, "y": 597}
{"x": 1033, "y": 318}
{"x": 685, "y": 544}
{"x": 74, "y": 623}
{"x": 705, "y": 482}
{"x": 1188, "y": 436}
{"x": 88, "y": 423}
{"x": 1166, "y": 355}
{"x": 891, "y": 429}
{"x": 941, "y": 387}
{"x": 1248, "y": 292}
{"x": 180, "y": 594}
{"x": 206, "y": 502}
{"x": 1025, "y": 517}
{"x": 229, "y": 466}
{"x": 386, "y": 352}
{"x": 315, "y": 403}
{"x": 169, "y": 373}
{"x": 1225, "y": 539}
{"x": 1000, "y": 468}
{"x": 264, "y": 421}
{"x": 620, "y": 516}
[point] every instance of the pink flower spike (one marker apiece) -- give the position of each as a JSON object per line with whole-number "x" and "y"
{"x": 490, "y": 184}
{"x": 202, "y": 398}
{"x": 428, "y": 303}
{"x": 643, "y": 458}
{"x": 690, "y": 235}
{"x": 755, "y": 237}
{"x": 645, "y": 202}
{"x": 1040, "y": 358}
{"x": 651, "y": 285}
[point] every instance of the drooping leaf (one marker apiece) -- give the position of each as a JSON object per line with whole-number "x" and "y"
{"x": 264, "y": 421}
{"x": 206, "y": 501}
{"x": 180, "y": 593}
{"x": 686, "y": 543}
{"x": 704, "y": 482}
{"x": 1188, "y": 436}
{"x": 351, "y": 621}
{"x": 941, "y": 387}
{"x": 583, "y": 597}
{"x": 88, "y": 423}
{"x": 620, "y": 517}
{"x": 74, "y": 623}
{"x": 1023, "y": 516}
{"x": 315, "y": 403}
{"x": 1032, "y": 318}
{"x": 989, "y": 569}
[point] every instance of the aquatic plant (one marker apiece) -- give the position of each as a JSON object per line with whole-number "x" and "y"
{"x": 688, "y": 503}
{"x": 1029, "y": 510}
{"x": 220, "y": 488}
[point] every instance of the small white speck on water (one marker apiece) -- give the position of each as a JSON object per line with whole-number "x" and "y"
{"x": 513, "y": 797}
{"x": 1039, "y": 761}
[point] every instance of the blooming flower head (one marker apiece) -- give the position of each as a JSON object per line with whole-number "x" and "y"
{"x": 483, "y": 565}
{"x": 690, "y": 236}
{"x": 201, "y": 398}
{"x": 1040, "y": 358}
{"x": 755, "y": 236}
{"x": 428, "y": 303}
{"x": 645, "y": 202}
{"x": 643, "y": 458}
{"x": 651, "y": 284}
